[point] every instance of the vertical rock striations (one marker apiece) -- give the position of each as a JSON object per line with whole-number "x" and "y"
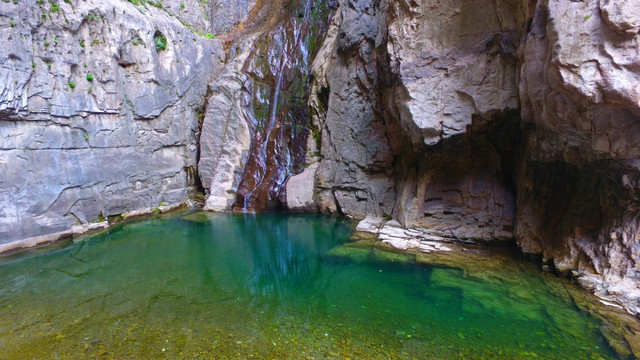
{"x": 255, "y": 130}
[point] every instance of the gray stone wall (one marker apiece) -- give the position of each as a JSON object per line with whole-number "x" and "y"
{"x": 95, "y": 121}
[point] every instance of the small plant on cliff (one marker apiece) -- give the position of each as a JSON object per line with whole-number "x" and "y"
{"x": 54, "y": 6}
{"x": 89, "y": 77}
{"x": 182, "y": 6}
{"x": 72, "y": 85}
{"x": 81, "y": 42}
{"x": 12, "y": 24}
{"x": 209, "y": 36}
{"x": 46, "y": 42}
{"x": 160, "y": 40}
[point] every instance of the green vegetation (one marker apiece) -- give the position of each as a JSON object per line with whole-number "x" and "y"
{"x": 72, "y": 85}
{"x": 33, "y": 65}
{"x": 160, "y": 40}
{"x": 92, "y": 16}
{"x": 86, "y": 136}
{"x": 54, "y": 7}
{"x": 90, "y": 90}
{"x": 12, "y": 24}
{"x": 137, "y": 41}
{"x": 55, "y": 40}
{"x": 81, "y": 42}
{"x": 209, "y": 36}
{"x": 587, "y": 17}
{"x": 46, "y": 42}
{"x": 95, "y": 42}
{"x": 89, "y": 77}
{"x": 182, "y": 6}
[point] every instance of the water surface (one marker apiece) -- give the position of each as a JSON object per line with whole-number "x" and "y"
{"x": 273, "y": 286}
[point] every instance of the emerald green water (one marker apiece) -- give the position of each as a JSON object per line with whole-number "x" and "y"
{"x": 273, "y": 286}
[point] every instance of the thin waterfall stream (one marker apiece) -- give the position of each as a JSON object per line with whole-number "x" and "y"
{"x": 279, "y": 68}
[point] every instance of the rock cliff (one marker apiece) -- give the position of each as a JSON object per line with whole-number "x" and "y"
{"x": 488, "y": 120}
{"x": 457, "y": 120}
{"x": 98, "y": 111}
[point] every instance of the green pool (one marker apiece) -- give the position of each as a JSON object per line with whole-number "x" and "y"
{"x": 274, "y": 286}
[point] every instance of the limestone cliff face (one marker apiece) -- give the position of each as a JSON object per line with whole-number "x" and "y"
{"x": 418, "y": 104}
{"x": 96, "y": 120}
{"x": 578, "y": 182}
{"x": 489, "y": 120}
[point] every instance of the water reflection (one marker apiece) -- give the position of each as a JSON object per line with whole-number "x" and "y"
{"x": 274, "y": 286}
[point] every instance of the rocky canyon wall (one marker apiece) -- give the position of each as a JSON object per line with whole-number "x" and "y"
{"x": 487, "y": 120}
{"x": 578, "y": 180}
{"x": 418, "y": 107}
{"x": 99, "y": 106}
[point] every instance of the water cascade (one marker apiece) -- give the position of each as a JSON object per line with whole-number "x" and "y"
{"x": 278, "y": 69}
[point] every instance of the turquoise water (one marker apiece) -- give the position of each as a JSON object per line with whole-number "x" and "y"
{"x": 273, "y": 286}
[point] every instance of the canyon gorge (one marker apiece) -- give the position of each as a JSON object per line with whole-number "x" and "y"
{"x": 490, "y": 121}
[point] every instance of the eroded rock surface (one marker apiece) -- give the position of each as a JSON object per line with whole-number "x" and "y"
{"x": 578, "y": 187}
{"x": 96, "y": 120}
{"x": 408, "y": 97}
{"x": 489, "y": 120}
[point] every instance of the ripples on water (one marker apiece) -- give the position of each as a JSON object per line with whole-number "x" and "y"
{"x": 273, "y": 286}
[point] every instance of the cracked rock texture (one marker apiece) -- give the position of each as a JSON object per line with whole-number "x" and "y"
{"x": 414, "y": 102}
{"x": 490, "y": 120}
{"x": 578, "y": 184}
{"x": 94, "y": 121}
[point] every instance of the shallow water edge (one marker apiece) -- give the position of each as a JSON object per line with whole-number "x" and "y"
{"x": 497, "y": 266}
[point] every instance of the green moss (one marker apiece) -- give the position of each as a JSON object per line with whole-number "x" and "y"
{"x": 89, "y": 77}
{"x": 81, "y": 42}
{"x": 137, "y": 41}
{"x": 12, "y": 24}
{"x": 209, "y": 36}
{"x": 54, "y": 7}
{"x": 160, "y": 41}
{"x": 72, "y": 85}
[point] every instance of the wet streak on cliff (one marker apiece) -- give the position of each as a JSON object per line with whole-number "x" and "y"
{"x": 279, "y": 68}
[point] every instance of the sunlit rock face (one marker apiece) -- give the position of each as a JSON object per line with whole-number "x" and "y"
{"x": 98, "y": 112}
